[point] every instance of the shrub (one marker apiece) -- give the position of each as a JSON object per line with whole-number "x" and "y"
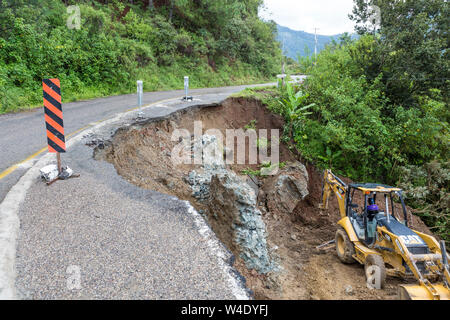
{"x": 120, "y": 42}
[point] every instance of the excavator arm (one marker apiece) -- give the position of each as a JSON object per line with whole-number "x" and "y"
{"x": 333, "y": 183}
{"x": 436, "y": 262}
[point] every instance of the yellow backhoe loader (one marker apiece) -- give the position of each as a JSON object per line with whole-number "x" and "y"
{"x": 375, "y": 237}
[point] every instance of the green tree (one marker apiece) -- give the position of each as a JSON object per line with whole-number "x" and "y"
{"x": 216, "y": 42}
{"x": 412, "y": 49}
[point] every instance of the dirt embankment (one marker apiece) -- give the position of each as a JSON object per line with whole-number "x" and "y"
{"x": 143, "y": 154}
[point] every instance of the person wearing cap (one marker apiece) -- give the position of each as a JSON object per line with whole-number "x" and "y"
{"x": 372, "y": 209}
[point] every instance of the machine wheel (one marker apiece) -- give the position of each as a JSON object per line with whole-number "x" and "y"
{"x": 344, "y": 247}
{"x": 375, "y": 260}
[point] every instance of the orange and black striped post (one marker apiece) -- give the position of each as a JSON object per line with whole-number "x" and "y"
{"x": 54, "y": 118}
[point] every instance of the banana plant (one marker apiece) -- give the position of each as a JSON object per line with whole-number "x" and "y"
{"x": 291, "y": 106}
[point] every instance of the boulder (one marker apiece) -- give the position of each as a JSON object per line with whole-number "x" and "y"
{"x": 212, "y": 163}
{"x": 285, "y": 190}
{"x": 200, "y": 181}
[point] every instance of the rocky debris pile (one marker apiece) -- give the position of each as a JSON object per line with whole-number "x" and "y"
{"x": 233, "y": 201}
{"x": 94, "y": 141}
{"x": 212, "y": 163}
{"x": 200, "y": 183}
{"x": 98, "y": 143}
{"x": 239, "y": 221}
{"x": 233, "y": 207}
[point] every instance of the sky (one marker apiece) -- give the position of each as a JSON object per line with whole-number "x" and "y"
{"x": 329, "y": 16}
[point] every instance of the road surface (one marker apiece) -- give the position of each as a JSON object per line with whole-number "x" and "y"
{"x": 24, "y": 137}
{"x": 98, "y": 236}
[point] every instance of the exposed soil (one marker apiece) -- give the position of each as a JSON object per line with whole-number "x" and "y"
{"x": 142, "y": 155}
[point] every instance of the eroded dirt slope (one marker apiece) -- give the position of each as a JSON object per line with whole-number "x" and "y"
{"x": 142, "y": 155}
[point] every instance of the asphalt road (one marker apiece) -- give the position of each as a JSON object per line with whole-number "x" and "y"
{"x": 23, "y": 134}
{"x": 98, "y": 236}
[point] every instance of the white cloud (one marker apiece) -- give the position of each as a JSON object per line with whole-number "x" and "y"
{"x": 329, "y": 16}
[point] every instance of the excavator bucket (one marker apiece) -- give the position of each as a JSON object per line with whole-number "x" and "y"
{"x": 420, "y": 292}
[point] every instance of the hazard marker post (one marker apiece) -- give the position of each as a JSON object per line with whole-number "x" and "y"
{"x": 54, "y": 121}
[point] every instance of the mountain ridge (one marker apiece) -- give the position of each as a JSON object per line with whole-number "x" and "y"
{"x": 294, "y": 43}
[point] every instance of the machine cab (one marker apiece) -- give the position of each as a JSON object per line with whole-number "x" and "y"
{"x": 377, "y": 210}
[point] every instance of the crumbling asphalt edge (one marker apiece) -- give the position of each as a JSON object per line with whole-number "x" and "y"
{"x": 10, "y": 222}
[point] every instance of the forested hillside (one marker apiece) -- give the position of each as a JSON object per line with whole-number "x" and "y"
{"x": 301, "y": 43}
{"x": 214, "y": 42}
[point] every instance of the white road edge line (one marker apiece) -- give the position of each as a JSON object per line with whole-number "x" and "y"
{"x": 214, "y": 245}
{"x": 10, "y": 222}
{"x": 9, "y": 228}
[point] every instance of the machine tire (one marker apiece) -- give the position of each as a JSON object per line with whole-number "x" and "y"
{"x": 344, "y": 247}
{"x": 376, "y": 260}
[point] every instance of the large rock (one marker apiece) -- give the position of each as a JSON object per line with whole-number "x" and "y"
{"x": 237, "y": 220}
{"x": 211, "y": 151}
{"x": 285, "y": 190}
{"x": 234, "y": 215}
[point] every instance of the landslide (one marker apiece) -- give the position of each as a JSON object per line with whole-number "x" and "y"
{"x": 142, "y": 153}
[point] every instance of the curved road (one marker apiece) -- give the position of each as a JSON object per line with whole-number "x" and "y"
{"x": 23, "y": 137}
{"x": 122, "y": 242}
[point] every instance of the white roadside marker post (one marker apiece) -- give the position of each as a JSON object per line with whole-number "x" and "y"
{"x": 282, "y": 77}
{"x": 140, "y": 92}
{"x": 186, "y": 89}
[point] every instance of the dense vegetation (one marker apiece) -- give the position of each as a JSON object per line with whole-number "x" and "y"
{"x": 215, "y": 42}
{"x": 380, "y": 105}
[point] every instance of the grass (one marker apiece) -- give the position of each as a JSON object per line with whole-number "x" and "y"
{"x": 159, "y": 79}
